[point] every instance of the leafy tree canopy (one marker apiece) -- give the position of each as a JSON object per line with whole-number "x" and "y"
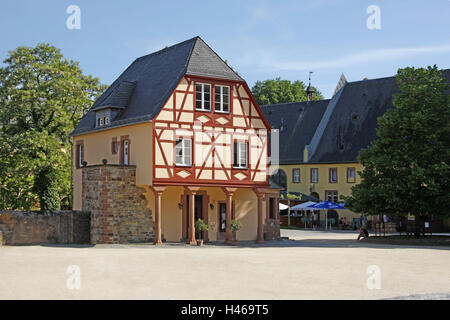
{"x": 407, "y": 170}
{"x": 42, "y": 98}
{"x": 275, "y": 91}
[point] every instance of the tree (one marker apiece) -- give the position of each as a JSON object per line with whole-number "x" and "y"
{"x": 407, "y": 170}
{"x": 42, "y": 98}
{"x": 275, "y": 91}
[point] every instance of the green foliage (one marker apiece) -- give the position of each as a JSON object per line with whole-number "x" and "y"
{"x": 407, "y": 170}
{"x": 235, "y": 225}
{"x": 46, "y": 187}
{"x": 42, "y": 98}
{"x": 275, "y": 91}
{"x": 200, "y": 226}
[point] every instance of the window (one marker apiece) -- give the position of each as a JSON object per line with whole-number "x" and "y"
{"x": 101, "y": 121}
{"x": 222, "y": 98}
{"x": 314, "y": 175}
{"x": 333, "y": 175}
{"x": 296, "y": 175}
{"x": 240, "y": 155}
{"x": 351, "y": 175}
{"x": 331, "y": 196}
{"x": 183, "y": 152}
{"x": 203, "y": 97}
{"x": 126, "y": 152}
{"x": 106, "y": 120}
{"x": 79, "y": 154}
{"x": 114, "y": 146}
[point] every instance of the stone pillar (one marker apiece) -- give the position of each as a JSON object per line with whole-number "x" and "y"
{"x": 229, "y": 193}
{"x": 191, "y": 219}
{"x": 158, "y": 191}
{"x": 260, "y": 195}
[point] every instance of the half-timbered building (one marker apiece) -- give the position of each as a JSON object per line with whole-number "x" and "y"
{"x": 180, "y": 134}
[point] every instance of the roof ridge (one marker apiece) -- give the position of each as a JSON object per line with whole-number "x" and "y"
{"x": 166, "y": 48}
{"x": 285, "y": 103}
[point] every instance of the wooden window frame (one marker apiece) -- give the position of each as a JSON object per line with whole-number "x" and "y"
{"x": 239, "y": 142}
{"x": 221, "y": 99}
{"x": 348, "y": 170}
{"x": 79, "y": 161}
{"x": 202, "y": 109}
{"x": 115, "y": 143}
{"x": 337, "y": 195}
{"x": 329, "y": 175}
{"x": 184, "y": 165}
{"x": 299, "y": 175}
{"x": 311, "y": 175}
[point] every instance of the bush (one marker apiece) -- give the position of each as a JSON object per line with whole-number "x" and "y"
{"x": 46, "y": 187}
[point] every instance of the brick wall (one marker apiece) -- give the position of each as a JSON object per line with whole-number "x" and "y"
{"x": 31, "y": 228}
{"x": 119, "y": 212}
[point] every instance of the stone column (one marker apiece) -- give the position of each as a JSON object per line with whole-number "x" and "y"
{"x": 191, "y": 219}
{"x": 260, "y": 195}
{"x": 158, "y": 191}
{"x": 229, "y": 193}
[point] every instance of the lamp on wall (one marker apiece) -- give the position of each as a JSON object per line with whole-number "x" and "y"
{"x": 211, "y": 205}
{"x": 180, "y": 206}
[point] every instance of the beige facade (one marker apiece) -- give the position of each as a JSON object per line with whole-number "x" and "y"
{"x": 324, "y": 187}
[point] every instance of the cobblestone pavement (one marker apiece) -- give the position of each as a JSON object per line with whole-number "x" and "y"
{"x": 311, "y": 265}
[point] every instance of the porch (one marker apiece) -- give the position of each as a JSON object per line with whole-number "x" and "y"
{"x": 177, "y": 208}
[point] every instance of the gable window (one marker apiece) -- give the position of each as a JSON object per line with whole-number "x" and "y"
{"x": 79, "y": 154}
{"x": 203, "y": 97}
{"x": 183, "y": 152}
{"x": 314, "y": 175}
{"x": 331, "y": 196}
{"x": 333, "y": 175}
{"x": 222, "y": 98}
{"x": 296, "y": 175}
{"x": 240, "y": 155}
{"x": 351, "y": 175}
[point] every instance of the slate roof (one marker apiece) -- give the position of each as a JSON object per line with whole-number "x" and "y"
{"x": 335, "y": 133}
{"x": 144, "y": 87}
{"x": 296, "y": 123}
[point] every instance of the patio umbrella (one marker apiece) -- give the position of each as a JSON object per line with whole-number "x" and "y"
{"x": 304, "y": 206}
{"x": 283, "y": 206}
{"x": 328, "y": 205}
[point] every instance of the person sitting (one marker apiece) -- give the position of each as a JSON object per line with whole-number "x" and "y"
{"x": 363, "y": 233}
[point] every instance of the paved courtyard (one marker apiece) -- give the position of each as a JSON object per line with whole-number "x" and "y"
{"x": 312, "y": 265}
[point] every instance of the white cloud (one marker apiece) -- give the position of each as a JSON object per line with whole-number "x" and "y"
{"x": 270, "y": 61}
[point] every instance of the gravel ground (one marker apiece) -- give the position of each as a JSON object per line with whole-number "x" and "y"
{"x": 311, "y": 265}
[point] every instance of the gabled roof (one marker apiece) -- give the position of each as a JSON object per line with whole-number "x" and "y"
{"x": 296, "y": 123}
{"x": 337, "y": 129}
{"x": 144, "y": 87}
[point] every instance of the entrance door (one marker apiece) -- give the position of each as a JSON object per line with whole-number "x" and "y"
{"x": 198, "y": 213}
{"x": 222, "y": 220}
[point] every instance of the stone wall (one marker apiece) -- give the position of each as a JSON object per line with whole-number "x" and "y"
{"x": 272, "y": 229}
{"x": 119, "y": 212}
{"x": 31, "y": 228}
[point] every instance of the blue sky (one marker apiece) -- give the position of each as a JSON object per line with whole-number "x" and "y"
{"x": 260, "y": 39}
